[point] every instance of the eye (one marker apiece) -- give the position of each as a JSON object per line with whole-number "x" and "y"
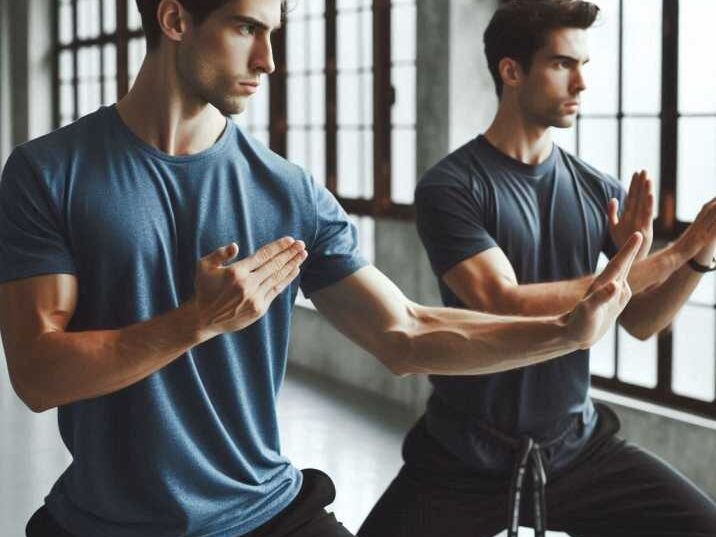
{"x": 247, "y": 29}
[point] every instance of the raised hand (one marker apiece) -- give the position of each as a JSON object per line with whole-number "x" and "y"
{"x": 698, "y": 239}
{"x": 231, "y": 297}
{"x": 605, "y": 299}
{"x": 638, "y": 214}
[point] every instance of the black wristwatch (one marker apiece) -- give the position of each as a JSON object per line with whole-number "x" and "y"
{"x": 703, "y": 269}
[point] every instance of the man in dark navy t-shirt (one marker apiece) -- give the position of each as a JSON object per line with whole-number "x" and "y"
{"x": 514, "y": 225}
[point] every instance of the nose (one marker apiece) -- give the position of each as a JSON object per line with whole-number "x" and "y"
{"x": 262, "y": 60}
{"x": 578, "y": 82}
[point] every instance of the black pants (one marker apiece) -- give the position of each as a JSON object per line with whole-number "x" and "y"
{"x": 612, "y": 489}
{"x": 304, "y": 517}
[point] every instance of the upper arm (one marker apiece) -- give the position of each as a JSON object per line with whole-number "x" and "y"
{"x": 370, "y": 309}
{"x": 481, "y": 281}
{"x": 30, "y": 308}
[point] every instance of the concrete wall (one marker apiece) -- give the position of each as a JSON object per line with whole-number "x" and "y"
{"x": 455, "y": 102}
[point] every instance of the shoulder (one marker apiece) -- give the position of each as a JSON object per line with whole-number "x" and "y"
{"x": 271, "y": 166}
{"x": 459, "y": 170}
{"x": 596, "y": 181}
{"x": 62, "y": 145}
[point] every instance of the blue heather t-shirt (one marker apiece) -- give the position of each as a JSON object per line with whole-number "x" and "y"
{"x": 193, "y": 449}
{"x": 550, "y": 221}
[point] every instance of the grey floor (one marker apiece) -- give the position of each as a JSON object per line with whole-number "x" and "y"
{"x": 353, "y": 437}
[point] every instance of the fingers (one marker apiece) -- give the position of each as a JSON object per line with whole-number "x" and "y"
{"x": 266, "y": 253}
{"x": 633, "y": 195}
{"x": 618, "y": 268}
{"x": 221, "y": 255}
{"x": 280, "y": 280}
{"x": 277, "y": 263}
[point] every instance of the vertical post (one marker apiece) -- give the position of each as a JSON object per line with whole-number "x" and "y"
{"x": 331, "y": 97}
{"x": 382, "y": 103}
{"x": 278, "y": 120}
{"x": 122, "y": 50}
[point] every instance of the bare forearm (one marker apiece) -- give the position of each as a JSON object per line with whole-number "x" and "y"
{"x": 71, "y": 366}
{"x": 539, "y": 299}
{"x": 463, "y": 342}
{"x": 653, "y": 310}
{"x": 657, "y": 268}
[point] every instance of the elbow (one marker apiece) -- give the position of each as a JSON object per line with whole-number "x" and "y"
{"x": 29, "y": 397}
{"x": 642, "y": 333}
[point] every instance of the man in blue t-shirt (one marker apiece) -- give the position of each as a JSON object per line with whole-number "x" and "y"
{"x": 514, "y": 225}
{"x": 150, "y": 256}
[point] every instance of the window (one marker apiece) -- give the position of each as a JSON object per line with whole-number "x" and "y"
{"x": 654, "y": 107}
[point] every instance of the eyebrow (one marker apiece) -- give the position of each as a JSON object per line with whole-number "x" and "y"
{"x": 562, "y": 57}
{"x": 256, "y": 22}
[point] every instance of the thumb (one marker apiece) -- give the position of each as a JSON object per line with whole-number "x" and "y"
{"x": 612, "y": 212}
{"x": 601, "y": 295}
{"x": 221, "y": 255}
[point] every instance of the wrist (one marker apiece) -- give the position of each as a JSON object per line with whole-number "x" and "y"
{"x": 705, "y": 257}
{"x": 193, "y": 324}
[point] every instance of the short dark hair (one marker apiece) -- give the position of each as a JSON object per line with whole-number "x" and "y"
{"x": 198, "y": 9}
{"x": 519, "y": 28}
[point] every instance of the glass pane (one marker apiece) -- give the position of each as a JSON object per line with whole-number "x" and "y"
{"x": 317, "y": 99}
{"x": 366, "y": 33}
{"x": 602, "y": 355}
{"x": 696, "y": 180}
{"x": 134, "y": 19}
{"x": 88, "y": 63}
{"x": 641, "y": 150}
{"x": 137, "y": 49}
{"x": 349, "y": 99}
{"x": 697, "y": 41}
{"x": 67, "y": 102}
{"x": 637, "y": 360}
{"x": 65, "y": 21}
{"x": 565, "y": 138}
{"x": 694, "y": 350}
{"x": 67, "y": 68}
{"x": 297, "y": 147}
{"x": 317, "y": 44}
{"x": 404, "y": 109}
{"x": 366, "y": 236}
{"x": 258, "y": 106}
{"x": 109, "y": 53}
{"x": 109, "y": 15}
{"x": 296, "y": 93}
{"x": 88, "y": 19}
{"x": 347, "y": 40}
{"x": 642, "y": 56}
{"x": 296, "y": 45}
{"x": 602, "y": 95}
{"x": 598, "y": 143}
{"x": 705, "y": 292}
{"x": 317, "y": 166}
{"x": 403, "y": 32}
{"x": 403, "y": 165}
{"x": 355, "y": 163}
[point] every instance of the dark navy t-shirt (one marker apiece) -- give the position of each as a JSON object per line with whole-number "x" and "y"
{"x": 550, "y": 221}
{"x": 193, "y": 449}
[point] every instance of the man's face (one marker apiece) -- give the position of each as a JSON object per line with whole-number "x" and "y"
{"x": 549, "y": 94}
{"x": 221, "y": 60}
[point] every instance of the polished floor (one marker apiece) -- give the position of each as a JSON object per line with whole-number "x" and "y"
{"x": 353, "y": 437}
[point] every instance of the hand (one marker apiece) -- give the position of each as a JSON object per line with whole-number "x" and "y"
{"x": 605, "y": 298}
{"x": 638, "y": 214}
{"x": 698, "y": 239}
{"x": 231, "y": 297}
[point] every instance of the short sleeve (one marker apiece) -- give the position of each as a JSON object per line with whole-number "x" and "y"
{"x": 334, "y": 253}
{"x": 31, "y": 241}
{"x": 614, "y": 190}
{"x": 451, "y": 225}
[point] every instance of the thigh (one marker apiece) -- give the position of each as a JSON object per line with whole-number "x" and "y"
{"x": 413, "y": 507}
{"x": 625, "y": 491}
{"x": 306, "y": 516}
{"x": 41, "y": 524}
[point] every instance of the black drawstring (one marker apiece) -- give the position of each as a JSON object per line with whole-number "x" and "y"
{"x": 529, "y": 456}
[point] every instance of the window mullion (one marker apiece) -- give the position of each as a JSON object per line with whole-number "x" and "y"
{"x": 381, "y": 104}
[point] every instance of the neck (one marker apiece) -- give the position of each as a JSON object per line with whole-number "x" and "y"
{"x": 517, "y": 137}
{"x": 160, "y": 112}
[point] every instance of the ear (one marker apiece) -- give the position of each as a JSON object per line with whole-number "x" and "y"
{"x": 510, "y": 72}
{"x": 173, "y": 19}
